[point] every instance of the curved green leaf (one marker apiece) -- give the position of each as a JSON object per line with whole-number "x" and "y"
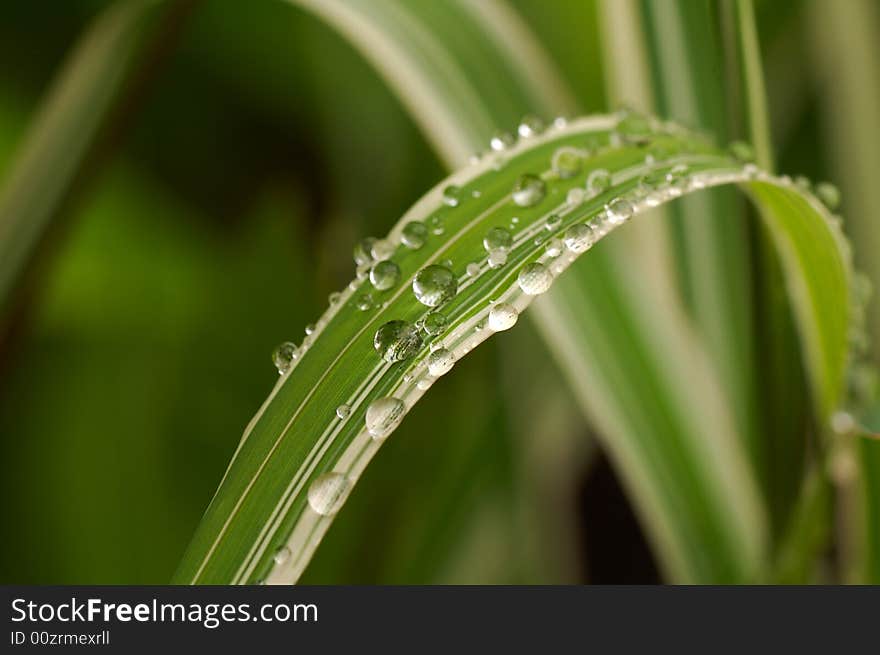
{"x": 262, "y": 524}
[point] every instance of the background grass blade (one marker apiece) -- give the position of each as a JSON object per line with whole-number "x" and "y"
{"x": 266, "y": 519}
{"x": 71, "y": 117}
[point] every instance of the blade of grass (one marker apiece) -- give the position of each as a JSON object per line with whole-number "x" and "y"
{"x": 263, "y": 522}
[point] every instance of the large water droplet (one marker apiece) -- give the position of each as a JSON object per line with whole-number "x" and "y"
{"x": 452, "y": 195}
{"x": 363, "y": 251}
{"x": 579, "y": 238}
{"x": 434, "y": 323}
{"x": 343, "y": 411}
{"x": 384, "y": 275}
{"x": 497, "y": 238}
{"x": 434, "y": 285}
{"x": 619, "y": 210}
{"x": 535, "y": 278}
{"x": 566, "y": 162}
{"x": 396, "y": 341}
{"x": 440, "y": 362}
{"x": 598, "y": 181}
{"x": 501, "y": 141}
{"x": 383, "y": 415}
{"x": 529, "y": 190}
{"x": 502, "y": 316}
{"x": 828, "y": 194}
{"x": 328, "y": 492}
{"x": 284, "y": 356}
{"x": 530, "y": 126}
{"x": 414, "y": 235}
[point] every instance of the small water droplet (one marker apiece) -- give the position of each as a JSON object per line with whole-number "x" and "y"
{"x": 328, "y": 492}
{"x": 396, "y": 341}
{"x": 435, "y": 224}
{"x": 501, "y": 141}
{"x": 497, "y": 238}
{"x": 502, "y": 316}
{"x": 334, "y": 297}
{"x": 310, "y": 328}
{"x": 653, "y": 181}
{"x": 619, "y": 210}
{"x": 382, "y": 249}
{"x": 364, "y": 302}
{"x": 741, "y": 151}
{"x": 575, "y": 196}
{"x": 554, "y": 247}
{"x": 473, "y": 269}
{"x": 579, "y": 238}
{"x": 414, "y": 235}
{"x": 440, "y": 362}
{"x": 384, "y": 274}
{"x": 530, "y": 126}
{"x": 434, "y": 285}
{"x": 598, "y": 181}
{"x": 281, "y": 555}
{"x": 751, "y": 171}
{"x": 383, "y": 415}
{"x": 566, "y": 162}
{"x": 343, "y": 411}
{"x": 497, "y": 258}
{"x": 803, "y": 183}
{"x": 434, "y": 323}
{"x": 553, "y": 221}
{"x": 425, "y": 383}
{"x": 828, "y": 194}
{"x": 452, "y": 195}
{"x": 535, "y": 279}
{"x": 284, "y": 356}
{"x": 363, "y": 251}
{"x": 529, "y": 190}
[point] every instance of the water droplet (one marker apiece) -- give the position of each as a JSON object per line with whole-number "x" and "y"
{"x": 497, "y": 238}
{"x": 281, "y": 555}
{"x": 343, "y": 411}
{"x": 598, "y": 182}
{"x": 803, "y": 183}
{"x": 363, "y": 251}
{"x": 384, "y": 275}
{"x": 383, "y": 415}
{"x": 382, "y": 249}
{"x": 534, "y": 279}
{"x": 452, "y": 195}
{"x": 566, "y": 162}
{"x": 741, "y": 151}
{"x": 473, "y": 269}
{"x": 579, "y": 238}
{"x": 828, "y": 194}
{"x": 497, "y": 258}
{"x": 530, "y": 126}
{"x": 396, "y": 341}
{"x": 425, "y": 383}
{"x": 362, "y": 271}
{"x": 575, "y": 196}
{"x": 653, "y": 181}
{"x": 619, "y": 210}
{"x": 502, "y": 316}
{"x": 440, "y": 362}
{"x": 529, "y": 190}
{"x": 284, "y": 356}
{"x": 334, "y": 297}
{"x": 501, "y": 141}
{"x": 553, "y": 221}
{"x": 310, "y": 328}
{"x": 751, "y": 171}
{"x": 435, "y": 224}
{"x": 634, "y": 128}
{"x": 678, "y": 179}
{"x": 434, "y": 323}
{"x": 554, "y": 247}
{"x": 434, "y": 285}
{"x": 414, "y": 235}
{"x": 328, "y": 492}
{"x": 364, "y": 302}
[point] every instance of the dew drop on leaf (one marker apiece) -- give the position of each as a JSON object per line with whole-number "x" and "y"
{"x": 434, "y": 285}
{"x": 440, "y": 362}
{"x": 284, "y": 356}
{"x": 397, "y": 340}
{"x": 502, "y": 316}
{"x": 384, "y": 275}
{"x": 414, "y": 235}
{"x": 529, "y": 190}
{"x": 535, "y": 279}
{"x": 497, "y": 238}
{"x": 328, "y": 492}
{"x": 383, "y": 415}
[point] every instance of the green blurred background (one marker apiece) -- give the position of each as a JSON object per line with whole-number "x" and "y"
{"x": 260, "y": 148}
